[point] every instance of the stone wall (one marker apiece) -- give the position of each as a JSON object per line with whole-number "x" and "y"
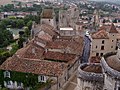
{"x": 89, "y": 80}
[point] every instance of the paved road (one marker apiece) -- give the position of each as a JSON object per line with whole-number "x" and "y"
{"x": 86, "y": 50}
{"x": 72, "y": 84}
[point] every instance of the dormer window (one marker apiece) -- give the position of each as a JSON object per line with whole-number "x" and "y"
{"x": 6, "y": 74}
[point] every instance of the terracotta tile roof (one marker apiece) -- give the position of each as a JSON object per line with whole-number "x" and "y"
{"x": 32, "y": 51}
{"x": 65, "y": 57}
{"x": 35, "y": 66}
{"x": 113, "y": 29}
{"x": 114, "y": 62}
{"x": 47, "y": 14}
{"x": 48, "y": 29}
{"x": 44, "y": 36}
{"x": 57, "y": 44}
{"x": 101, "y": 34}
{"x": 74, "y": 46}
{"x": 96, "y": 68}
{"x": 95, "y": 59}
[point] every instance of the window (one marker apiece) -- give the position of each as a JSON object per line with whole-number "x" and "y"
{"x": 6, "y": 74}
{"x": 113, "y": 35}
{"x": 102, "y": 47}
{"x": 103, "y": 41}
{"x": 118, "y": 88}
{"x": 96, "y": 46}
{"x": 97, "y": 54}
{"x": 41, "y": 78}
{"x": 8, "y": 83}
{"x": 111, "y": 46}
{"x": 101, "y": 54}
{"x": 116, "y": 47}
{"x": 112, "y": 40}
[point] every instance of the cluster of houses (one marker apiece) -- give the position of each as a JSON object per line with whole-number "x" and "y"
{"x": 57, "y": 49}
{"x": 48, "y": 55}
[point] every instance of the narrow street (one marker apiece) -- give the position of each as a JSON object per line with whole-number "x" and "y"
{"x": 72, "y": 84}
{"x": 86, "y": 49}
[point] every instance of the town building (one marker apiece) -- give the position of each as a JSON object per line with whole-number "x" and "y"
{"x": 111, "y": 70}
{"x": 103, "y": 41}
{"x": 68, "y": 18}
{"x": 100, "y": 75}
{"x": 48, "y": 17}
{"x": 90, "y": 77}
{"x": 46, "y": 56}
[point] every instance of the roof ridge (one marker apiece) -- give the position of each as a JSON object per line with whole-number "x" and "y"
{"x": 113, "y": 29}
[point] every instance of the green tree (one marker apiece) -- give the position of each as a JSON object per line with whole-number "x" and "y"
{"x": 20, "y": 42}
{"x": 20, "y": 23}
{"x": 27, "y": 32}
{"x": 29, "y": 25}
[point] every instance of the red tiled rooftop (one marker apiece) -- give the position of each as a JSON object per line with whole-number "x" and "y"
{"x": 48, "y": 29}
{"x": 35, "y": 66}
{"x": 57, "y": 44}
{"x": 74, "y": 46}
{"x": 44, "y": 36}
{"x": 101, "y": 34}
{"x": 95, "y": 68}
{"x": 32, "y": 51}
{"x": 70, "y": 58}
{"x": 113, "y": 29}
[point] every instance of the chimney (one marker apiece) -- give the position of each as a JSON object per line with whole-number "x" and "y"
{"x": 33, "y": 51}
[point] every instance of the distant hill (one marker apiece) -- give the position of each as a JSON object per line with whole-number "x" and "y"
{"x": 3, "y": 2}
{"x": 112, "y": 1}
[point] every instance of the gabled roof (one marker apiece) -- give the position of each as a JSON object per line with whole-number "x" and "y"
{"x": 101, "y": 34}
{"x": 74, "y": 46}
{"x": 113, "y": 29}
{"x": 31, "y": 51}
{"x": 48, "y": 29}
{"x": 35, "y": 66}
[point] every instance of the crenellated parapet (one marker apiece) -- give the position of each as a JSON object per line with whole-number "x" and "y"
{"x": 109, "y": 67}
{"x": 90, "y": 75}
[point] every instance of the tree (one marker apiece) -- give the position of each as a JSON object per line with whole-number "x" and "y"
{"x": 29, "y": 25}
{"x": 27, "y": 32}
{"x": 20, "y": 23}
{"x": 20, "y": 42}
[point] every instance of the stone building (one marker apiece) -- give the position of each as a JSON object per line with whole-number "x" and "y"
{"x": 90, "y": 77}
{"x": 103, "y": 41}
{"x": 68, "y": 18}
{"x": 101, "y": 76}
{"x": 48, "y": 17}
{"x": 111, "y": 70}
{"x": 46, "y": 56}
